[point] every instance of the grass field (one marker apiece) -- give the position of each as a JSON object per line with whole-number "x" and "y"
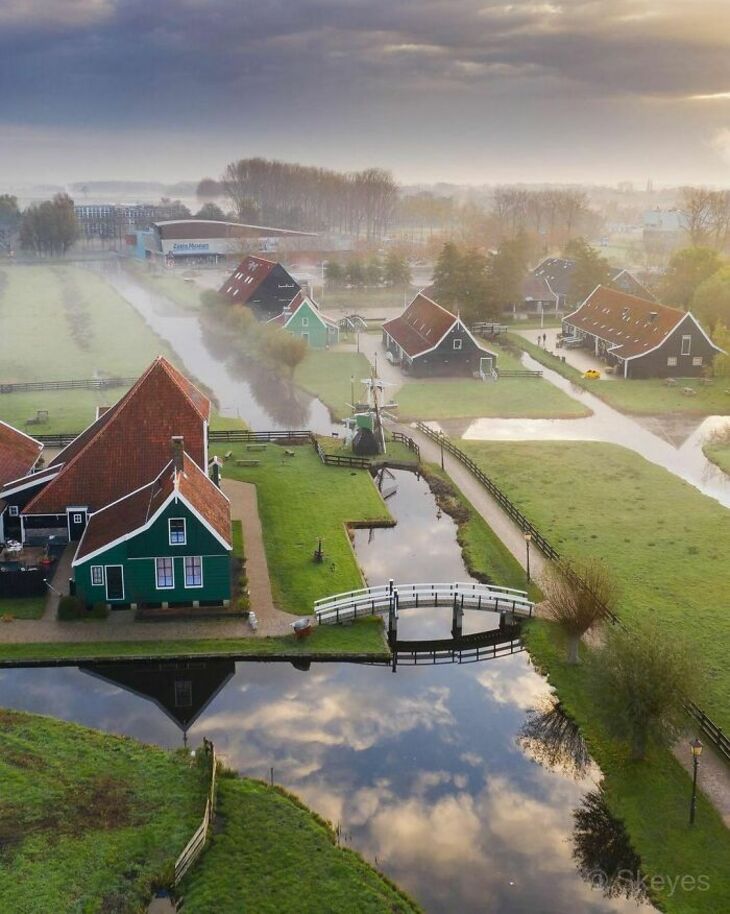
{"x": 719, "y": 454}
{"x": 299, "y": 501}
{"x": 170, "y": 284}
{"x": 663, "y": 839}
{"x": 354, "y": 301}
{"x": 89, "y": 822}
{"x": 642, "y": 398}
{"x": 271, "y": 854}
{"x": 465, "y": 398}
{"x": 667, "y": 544}
{"x": 23, "y": 607}
{"x": 327, "y": 375}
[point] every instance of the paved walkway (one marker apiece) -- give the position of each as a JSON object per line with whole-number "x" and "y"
{"x": 122, "y": 626}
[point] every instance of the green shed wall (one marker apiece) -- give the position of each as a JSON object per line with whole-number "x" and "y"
{"x": 137, "y": 557}
{"x": 319, "y": 335}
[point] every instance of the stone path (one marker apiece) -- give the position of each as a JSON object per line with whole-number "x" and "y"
{"x": 121, "y": 625}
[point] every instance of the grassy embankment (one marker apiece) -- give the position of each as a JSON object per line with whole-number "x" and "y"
{"x": 666, "y": 543}
{"x": 88, "y": 821}
{"x": 272, "y": 854}
{"x": 649, "y": 397}
{"x": 64, "y": 322}
{"x": 717, "y": 449}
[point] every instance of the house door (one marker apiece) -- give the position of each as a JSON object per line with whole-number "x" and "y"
{"x": 114, "y": 582}
{"x": 76, "y": 523}
{"x": 486, "y": 364}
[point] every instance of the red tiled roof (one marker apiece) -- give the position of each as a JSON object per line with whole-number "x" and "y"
{"x": 246, "y": 278}
{"x": 421, "y": 325}
{"x": 129, "y": 443}
{"x": 128, "y": 515}
{"x": 632, "y": 325}
{"x": 537, "y": 288}
{"x": 18, "y": 453}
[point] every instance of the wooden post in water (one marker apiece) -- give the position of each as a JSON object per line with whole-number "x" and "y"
{"x": 457, "y": 618}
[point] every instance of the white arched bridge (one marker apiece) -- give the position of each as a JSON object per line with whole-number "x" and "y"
{"x": 390, "y": 597}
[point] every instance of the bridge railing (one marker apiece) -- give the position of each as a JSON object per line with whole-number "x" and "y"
{"x": 372, "y": 600}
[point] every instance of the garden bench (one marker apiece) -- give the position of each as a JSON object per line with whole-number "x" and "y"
{"x": 228, "y": 455}
{"x": 247, "y": 463}
{"x": 689, "y": 391}
{"x": 255, "y": 447}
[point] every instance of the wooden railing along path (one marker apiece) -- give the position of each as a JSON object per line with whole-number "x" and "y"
{"x": 195, "y": 845}
{"x": 86, "y": 384}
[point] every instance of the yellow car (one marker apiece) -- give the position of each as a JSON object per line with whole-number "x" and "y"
{"x": 593, "y": 374}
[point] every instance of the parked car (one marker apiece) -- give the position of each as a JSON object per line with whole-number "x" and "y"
{"x": 593, "y": 374}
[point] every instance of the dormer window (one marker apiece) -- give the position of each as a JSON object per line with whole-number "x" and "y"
{"x": 178, "y": 533}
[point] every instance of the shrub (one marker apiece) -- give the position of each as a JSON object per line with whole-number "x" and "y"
{"x": 98, "y": 611}
{"x": 70, "y": 607}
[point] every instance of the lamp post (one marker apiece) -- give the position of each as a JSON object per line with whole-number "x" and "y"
{"x": 528, "y": 540}
{"x": 696, "y": 747}
{"x": 441, "y": 442}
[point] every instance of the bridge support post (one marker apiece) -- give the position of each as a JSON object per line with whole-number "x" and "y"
{"x": 457, "y": 618}
{"x": 393, "y": 618}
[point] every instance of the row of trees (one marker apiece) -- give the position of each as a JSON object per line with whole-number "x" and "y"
{"x": 553, "y": 215}
{"x": 708, "y": 217}
{"x": 49, "y": 228}
{"x": 308, "y": 198}
{"x": 392, "y": 270}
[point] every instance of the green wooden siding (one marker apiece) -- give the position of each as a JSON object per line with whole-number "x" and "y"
{"x": 137, "y": 558}
{"x": 306, "y": 320}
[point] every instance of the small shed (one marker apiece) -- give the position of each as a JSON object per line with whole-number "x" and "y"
{"x": 303, "y": 318}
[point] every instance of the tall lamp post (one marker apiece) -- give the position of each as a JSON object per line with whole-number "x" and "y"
{"x": 528, "y": 540}
{"x": 696, "y": 747}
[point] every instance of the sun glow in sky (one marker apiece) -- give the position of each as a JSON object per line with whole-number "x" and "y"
{"x": 453, "y": 90}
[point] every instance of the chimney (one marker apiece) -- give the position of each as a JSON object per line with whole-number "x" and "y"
{"x": 178, "y": 446}
{"x": 215, "y": 470}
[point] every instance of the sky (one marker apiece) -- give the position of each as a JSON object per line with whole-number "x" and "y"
{"x": 461, "y": 91}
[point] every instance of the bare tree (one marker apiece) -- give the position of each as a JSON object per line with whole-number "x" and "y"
{"x": 578, "y": 597}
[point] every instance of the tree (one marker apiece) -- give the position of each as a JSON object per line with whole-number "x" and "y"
{"x": 396, "y": 271}
{"x": 473, "y": 294}
{"x": 687, "y": 270}
{"x": 711, "y": 301}
{"x": 334, "y": 273}
{"x": 208, "y": 189}
{"x": 211, "y": 211}
{"x": 577, "y": 598}
{"x": 447, "y": 276}
{"x": 721, "y": 362}
{"x": 643, "y": 677}
{"x": 591, "y": 269}
{"x": 373, "y": 272}
{"x": 507, "y": 269}
{"x": 51, "y": 227}
{"x": 285, "y": 349}
{"x": 355, "y": 273}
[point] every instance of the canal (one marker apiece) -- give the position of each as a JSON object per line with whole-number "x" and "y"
{"x": 464, "y": 783}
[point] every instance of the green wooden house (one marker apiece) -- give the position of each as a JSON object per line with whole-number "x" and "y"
{"x": 303, "y": 318}
{"x": 165, "y": 544}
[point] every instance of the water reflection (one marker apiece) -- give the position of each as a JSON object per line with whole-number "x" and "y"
{"x": 554, "y": 740}
{"x": 603, "y": 852}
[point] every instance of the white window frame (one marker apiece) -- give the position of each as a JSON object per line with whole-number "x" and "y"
{"x": 184, "y": 540}
{"x": 305, "y": 320}
{"x": 697, "y": 361}
{"x": 77, "y": 518}
{"x": 458, "y": 341}
{"x": 13, "y": 510}
{"x": 686, "y": 337}
{"x": 97, "y": 571}
{"x": 186, "y": 559}
{"x": 171, "y": 560}
{"x": 671, "y": 361}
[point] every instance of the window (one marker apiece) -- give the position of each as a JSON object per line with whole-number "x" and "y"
{"x": 305, "y": 321}
{"x": 697, "y": 360}
{"x": 13, "y": 510}
{"x": 671, "y": 361}
{"x": 183, "y": 693}
{"x": 78, "y": 518}
{"x": 97, "y": 575}
{"x": 193, "y": 571}
{"x": 177, "y": 531}
{"x": 457, "y": 344}
{"x": 686, "y": 344}
{"x": 164, "y": 573}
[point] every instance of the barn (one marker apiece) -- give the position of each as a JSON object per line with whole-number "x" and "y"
{"x": 427, "y": 340}
{"x": 641, "y": 338}
{"x": 264, "y": 285}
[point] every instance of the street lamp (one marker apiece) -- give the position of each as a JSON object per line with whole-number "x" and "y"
{"x": 528, "y": 540}
{"x": 696, "y": 747}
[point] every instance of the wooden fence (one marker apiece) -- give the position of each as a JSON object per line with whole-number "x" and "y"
{"x": 195, "y": 845}
{"x": 707, "y": 725}
{"x": 518, "y": 373}
{"x": 87, "y": 384}
{"x": 296, "y": 436}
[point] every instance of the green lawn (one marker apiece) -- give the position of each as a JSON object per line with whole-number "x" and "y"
{"x": 719, "y": 454}
{"x": 185, "y": 293}
{"x": 299, "y": 501}
{"x": 641, "y": 398}
{"x": 89, "y": 822}
{"x": 327, "y": 375}
{"x": 270, "y": 855}
{"x": 667, "y": 543}
{"x": 23, "y": 607}
{"x": 355, "y": 301}
{"x": 394, "y": 450}
{"x": 363, "y": 637}
{"x": 465, "y": 398}
{"x": 651, "y": 798}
